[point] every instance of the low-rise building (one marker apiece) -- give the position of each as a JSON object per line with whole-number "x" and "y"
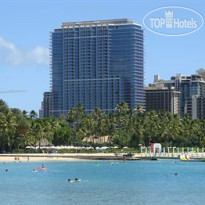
{"x": 188, "y": 86}
{"x": 162, "y": 99}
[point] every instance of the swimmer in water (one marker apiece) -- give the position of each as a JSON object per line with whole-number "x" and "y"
{"x": 74, "y": 180}
{"x": 175, "y": 174}
{"x": 96, "y": 164}
{"x": 6, "y": 170}
{"x": 70, "y": 180}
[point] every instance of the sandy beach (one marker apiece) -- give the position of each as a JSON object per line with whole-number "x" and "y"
{"x": 30, "y": 158}
{"x": 36, "y": 159}
{"x": 71, "y": 157}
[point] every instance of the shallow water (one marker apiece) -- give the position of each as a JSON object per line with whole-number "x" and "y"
{"x": 136, "y": 182}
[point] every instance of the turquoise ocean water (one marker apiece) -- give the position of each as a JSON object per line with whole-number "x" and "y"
{"x": 137, "y": 182}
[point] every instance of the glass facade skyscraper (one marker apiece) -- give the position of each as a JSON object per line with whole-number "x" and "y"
{"x": 98, "y": 64}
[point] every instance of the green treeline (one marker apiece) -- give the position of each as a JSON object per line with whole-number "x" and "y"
{"x": 125, "y": 127}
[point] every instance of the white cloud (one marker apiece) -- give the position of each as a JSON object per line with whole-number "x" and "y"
{"x": 11, "y": 54}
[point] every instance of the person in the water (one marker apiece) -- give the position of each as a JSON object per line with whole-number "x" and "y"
{"x": 96, "y": 164}
{"x": 71, "y": 180}
{"x": 74, "y": 180}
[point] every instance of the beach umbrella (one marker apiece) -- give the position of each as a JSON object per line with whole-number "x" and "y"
{"x": 103, "y": 148}
{"x": 70, "y": 147}
{"x": 30, "y": 147}
{"x": 89, "y": 148}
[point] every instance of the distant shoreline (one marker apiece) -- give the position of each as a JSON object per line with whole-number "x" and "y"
{"x": 71, "y": 157}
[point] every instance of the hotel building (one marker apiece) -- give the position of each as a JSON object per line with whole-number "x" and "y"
{"x": 98, "y": 64}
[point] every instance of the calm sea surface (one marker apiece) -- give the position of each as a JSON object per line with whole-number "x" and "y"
{"x": 139, "y": 182}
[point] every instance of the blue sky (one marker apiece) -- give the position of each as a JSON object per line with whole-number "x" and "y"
{"x": 25, "y": 27}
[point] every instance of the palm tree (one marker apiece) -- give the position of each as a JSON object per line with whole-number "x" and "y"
{"x": 33, "y": 115}
{"x": 3, "y": 107}
{"x": 25, "y": 113}
{"x": 76, "y": 114}
{"x": 41, "y": 130}
{"x": 150, "y": 127}
{"x": 62, "y": 132}
{"x": 98, "y": 117}
{"x": 110, "y": 125}
{"x": 171, "y": 126}
{"x": 7, "y": 130}
{"x": 123, "y": 115}
{"x": 22, "y": 133}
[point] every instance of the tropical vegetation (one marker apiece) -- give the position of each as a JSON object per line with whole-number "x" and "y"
{"x": 124, "y": 127}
